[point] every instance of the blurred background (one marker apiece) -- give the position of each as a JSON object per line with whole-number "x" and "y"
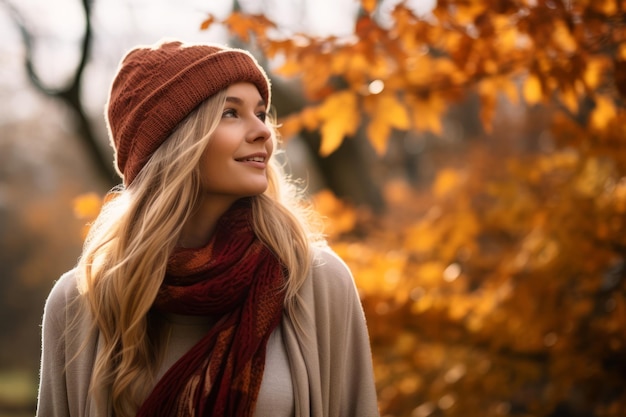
{"x": 468, "y": 157}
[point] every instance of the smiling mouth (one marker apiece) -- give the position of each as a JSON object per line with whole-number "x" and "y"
{"x": 252, "y": 159}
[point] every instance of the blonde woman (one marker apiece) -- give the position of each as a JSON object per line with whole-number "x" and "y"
{"x": 201, "y": 289}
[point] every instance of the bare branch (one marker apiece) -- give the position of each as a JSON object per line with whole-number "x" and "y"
{"x": 70, "y": 94}
{"x": 27, "y": 38}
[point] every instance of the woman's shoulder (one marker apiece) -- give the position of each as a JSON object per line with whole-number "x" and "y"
{"x": 66, "y": 286}
{"x": 325, "y": 258}
{"x": 64, "y": 292}
{"x": 330, "y": 272}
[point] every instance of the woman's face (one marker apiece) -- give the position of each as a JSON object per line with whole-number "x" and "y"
{"x": 234, "y": 163}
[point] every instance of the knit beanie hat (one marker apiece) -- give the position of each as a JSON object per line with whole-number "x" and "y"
{"x": 156, "y": 87}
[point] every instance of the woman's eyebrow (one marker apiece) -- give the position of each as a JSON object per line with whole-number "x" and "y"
{"x": 238, "y": 101}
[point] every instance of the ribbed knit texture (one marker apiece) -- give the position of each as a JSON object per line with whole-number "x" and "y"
{"x": 157, "y": 87}
{"x": 236, "y": 279}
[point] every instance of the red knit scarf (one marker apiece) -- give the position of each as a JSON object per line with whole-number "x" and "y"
{"x": 237, "y": 279}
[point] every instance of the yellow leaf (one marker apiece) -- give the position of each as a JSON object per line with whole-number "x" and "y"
{"x": 207, "y": 22}
{"x": 607, "y": 7}
{"x": 359, "y": 65}
{"x": 293, "y": 124}
{"x": 563, "y": 37}
{"x": 339, "y": 118}
{"x": 459, "y": 308}
{"x": 447, "y": 67}
{"x": 369, "y": 5}
{"x": 427, "y": 113}
{"x": 339, "y": 217}
{"x": 532, "y": 90}
{"x": 463, "y": 234}
{"x": 378, "y": 131}
{"x": 430, "y": 274}
{"x": 340, "y": 61}
{"x": 290, "y": 126}
{"x": 333, "y": 133}
{"x": 409, "y": 385}
{"x": 593, "y": 177}
{"x": 603, "y": 113}
{"x": 422, "y": 304}
{"x": 569, "y": 99}
{"x": 594, "y": 72}
{"x": 87, "y": 206}
{"x": 394, "y": 111}
{"x": 386, "y": 112}
{"x": 290, "y": 68}
{"x": 447, "y": 180}
{"x": 466, "y": 14}
{"x": 239, "y": 25}
{"x": 315, "y": 79}
{"x": 309, "y": 118}
{"x": 424, "y": 236}
{"x": 508, "y": 35}
{"x": 244, "y": 25}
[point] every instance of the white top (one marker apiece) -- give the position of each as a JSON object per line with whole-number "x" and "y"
{"x": 276, "y": 398}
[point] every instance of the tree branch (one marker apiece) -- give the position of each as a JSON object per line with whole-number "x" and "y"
{"x": 69, "y": 94}
{"x": 27, "y": 39}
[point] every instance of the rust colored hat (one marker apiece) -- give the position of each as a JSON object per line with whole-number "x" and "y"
{"x": 156, "y": 87}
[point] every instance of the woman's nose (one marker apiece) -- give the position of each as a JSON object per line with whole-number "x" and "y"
{"x": 259, "y": 131}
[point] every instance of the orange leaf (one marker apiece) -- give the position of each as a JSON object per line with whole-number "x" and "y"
{"x": 365, "y": 25}
{"x": 242, "y": 25}
{"x": 603, "y": 113}
{"x": 447, "y": 180}
{"x": 290, "y": 126}
{"x": 427, "y": 113}
{"x": 466, "y": 14}
{"x": 378, "y": 131}
{"x": 87, "y": 206}
{"x": 532, "y": 90}
{"x": 607, "y": 7}
{"x": 424, "y": 237}
{"x": 207, "y": 22}
{"x": 340, "y": 118}
{"x": 339, "y": 216}
{"x": 310, "y": 119}
{"x": 430, "y": 273}
{"x": 563, "y": 37}
{"x": 369, "y": 5}
{"x": 386, "y": 113}
{"x": 569, "y": 99}
{"x": 290, "y": 68}
{"x": 595, "y": 72}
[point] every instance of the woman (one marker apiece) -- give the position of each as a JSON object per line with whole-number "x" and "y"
{"x": 201, "y": 289}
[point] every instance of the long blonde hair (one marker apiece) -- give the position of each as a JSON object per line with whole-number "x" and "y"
{"x": 125, "y": 254}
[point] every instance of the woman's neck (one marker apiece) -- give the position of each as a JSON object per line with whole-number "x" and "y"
{"x": 200, "y": 226}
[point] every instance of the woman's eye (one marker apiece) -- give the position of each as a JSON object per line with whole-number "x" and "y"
{"x": 229, "y": 113}
{"x": 262, "y": 116}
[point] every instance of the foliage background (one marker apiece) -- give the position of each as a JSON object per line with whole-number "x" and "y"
{"x": 486, "y": 232}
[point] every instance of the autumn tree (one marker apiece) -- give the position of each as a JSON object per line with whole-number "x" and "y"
{"x": 500, "y": 290}
{"x": 69, "y": 94}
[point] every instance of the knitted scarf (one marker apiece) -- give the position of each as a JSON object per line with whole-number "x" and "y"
{"x": 238, "y": 280}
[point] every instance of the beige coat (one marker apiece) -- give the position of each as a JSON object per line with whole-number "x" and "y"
{"x": 329, "y": 352}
